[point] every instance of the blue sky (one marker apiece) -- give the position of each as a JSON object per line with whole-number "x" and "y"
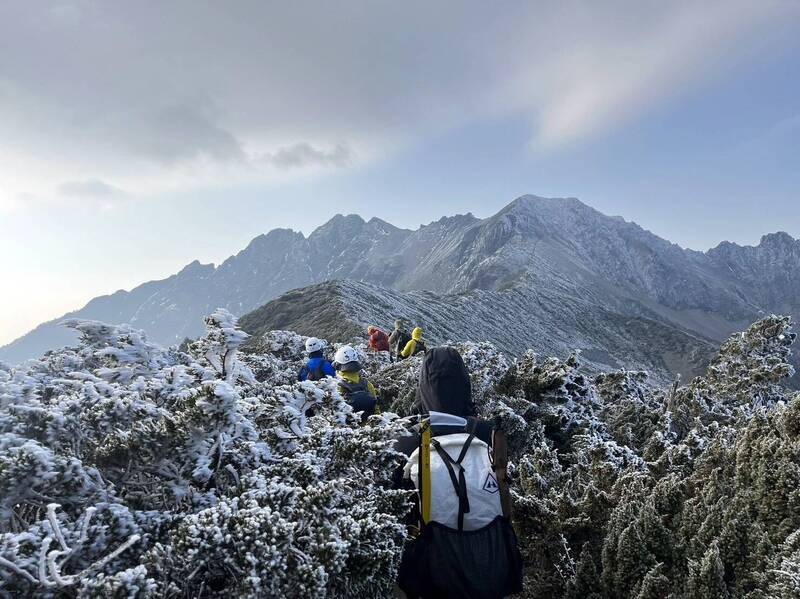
{"x": 133, "y": 141}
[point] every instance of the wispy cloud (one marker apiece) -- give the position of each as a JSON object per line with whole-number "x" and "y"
{"x": 214, "y": 94}
{"x": 90, "y": 188}
{"x": 614, "y": 64}
{"x": 303, "y": 154}
{"x": 93, "y": 193}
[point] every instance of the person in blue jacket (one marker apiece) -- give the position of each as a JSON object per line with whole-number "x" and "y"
{"x": 317, "y": 367}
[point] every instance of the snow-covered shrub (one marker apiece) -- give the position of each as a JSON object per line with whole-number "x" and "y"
{"x": 559, "y": 395}
{"x": 486, "y": 366}
{"x": 691, "y": 491}
{"x": 129, "y": 470}
{"x": 397, "y": 384}
{"x": 372, "y": 361}
{"x": 276, "y": 357}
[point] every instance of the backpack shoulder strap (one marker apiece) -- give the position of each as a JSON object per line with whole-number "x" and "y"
{"x": 500, "y": 465}
{"x": 471, "y": 424}
{"x": 424, "y": 465}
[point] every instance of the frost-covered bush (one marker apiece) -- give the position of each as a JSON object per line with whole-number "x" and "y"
{"x": 397, "y": 384}
{"x": 130, "y": 470}
{"x": 624, "y": 490}
{"x": 275, "y": 357}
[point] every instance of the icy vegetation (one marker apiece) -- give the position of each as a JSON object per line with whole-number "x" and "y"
{"x": 129, "y": 470}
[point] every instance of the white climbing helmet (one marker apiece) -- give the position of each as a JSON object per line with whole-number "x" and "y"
{"x": 313, "y": 344}
{"x": 345, "y": 355}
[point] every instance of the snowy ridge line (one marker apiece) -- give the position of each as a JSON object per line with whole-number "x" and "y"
{"x": 550, "y": 324}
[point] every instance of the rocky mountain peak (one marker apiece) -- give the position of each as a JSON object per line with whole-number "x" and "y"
{"x": 531, "y": 204}
{"x": 557, "y": 245}
{"x": 776, "y": 243}
{"x": 779, "y": 239}
{"x": 196, "y": 268}
{"x": 338, "y": 222}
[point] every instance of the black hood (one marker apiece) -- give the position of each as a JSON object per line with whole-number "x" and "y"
{"x": 444, "y": 383}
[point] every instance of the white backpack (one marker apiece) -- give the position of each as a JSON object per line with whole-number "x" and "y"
{"x": 464, "y": 491}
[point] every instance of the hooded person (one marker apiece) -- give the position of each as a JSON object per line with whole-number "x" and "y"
{"x": 378, "y": 341}
{"x": 355, "y": 388}
{"x": 444, "y": 386}
{"x": 415, "y": 346}
{"x": 466, "y": 547}
{"x": 399, "y": 337}
{"x": 316, "y": 367}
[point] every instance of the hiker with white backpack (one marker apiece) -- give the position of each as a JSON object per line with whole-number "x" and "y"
{"x": 466, "y": 547}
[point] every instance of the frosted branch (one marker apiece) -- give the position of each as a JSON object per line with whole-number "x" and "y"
{"x": 87, "y": 518}
{"x": 17, "y": 570}
{"x": 55, "y": 570}
{"x": 99, "y": 564}
{"x": 43, "y": 562}
{"x": 48, "y": 566}
{"x": 51, "y": 517}
{"x": 233, "y": 472}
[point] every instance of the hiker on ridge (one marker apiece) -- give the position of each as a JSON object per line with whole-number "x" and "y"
{"x": 444, "y": 386}
{"x": 466, "y": 547}
{"x": 317, "y": 367}
{"x": 378, "y": 341}
{"x": 415, "y": 346}
{"x": 354, "y": 387}
{"x": 399, "y": 337}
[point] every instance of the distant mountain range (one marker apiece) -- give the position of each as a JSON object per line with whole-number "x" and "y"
{"x": 545, "y": 273}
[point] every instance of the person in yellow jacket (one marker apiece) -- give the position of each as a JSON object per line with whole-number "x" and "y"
{"x": 415, "y": 346}
{"x": 354, "y": 387}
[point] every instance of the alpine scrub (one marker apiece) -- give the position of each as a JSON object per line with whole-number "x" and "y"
{"x": 131, "y": 470}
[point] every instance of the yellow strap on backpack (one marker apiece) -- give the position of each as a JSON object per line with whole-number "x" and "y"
{"x": 425, "y": 471}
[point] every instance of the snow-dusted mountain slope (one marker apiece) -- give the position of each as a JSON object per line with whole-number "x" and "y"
{"x": 515, "y": 319}
{"x": 560, "y": 248}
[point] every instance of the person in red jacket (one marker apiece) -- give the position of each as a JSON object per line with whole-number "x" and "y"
{"x": 378, "y": 340}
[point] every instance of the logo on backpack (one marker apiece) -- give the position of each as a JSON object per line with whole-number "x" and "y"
{"x": 490, "y": 484}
